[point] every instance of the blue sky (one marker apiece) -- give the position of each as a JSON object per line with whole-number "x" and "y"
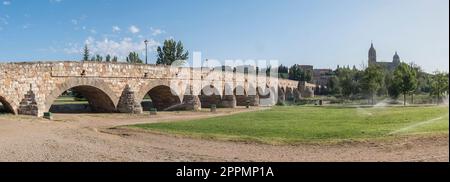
{"x": 324, "y": 33}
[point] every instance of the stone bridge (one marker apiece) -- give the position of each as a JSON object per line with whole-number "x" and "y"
{"x": 32, "y": 88}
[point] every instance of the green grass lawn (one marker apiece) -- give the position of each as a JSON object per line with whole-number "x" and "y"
{"x": 296, "y": 124}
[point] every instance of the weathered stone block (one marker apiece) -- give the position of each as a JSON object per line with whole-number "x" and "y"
{"x": 228, "y": 101}
{"x": 28, "y": 105}
{"x": 127, "y": 102}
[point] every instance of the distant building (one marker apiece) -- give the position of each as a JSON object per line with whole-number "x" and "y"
{"x": 388, "y": 65}
{"x": 322, "y": 76}
{"x": 319, "y": 76}
{"x": 306, "y": 67}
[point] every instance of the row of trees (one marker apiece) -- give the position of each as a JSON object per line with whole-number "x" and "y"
{"x": 406, "y": 79}
{"x": 439, "y": 85}
{"x": 297, "y": 73}
{"x": 170, "y": 52}
{"x": 97, "y": 57}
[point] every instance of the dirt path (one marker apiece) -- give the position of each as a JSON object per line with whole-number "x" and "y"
{"x": 87, "y": 138}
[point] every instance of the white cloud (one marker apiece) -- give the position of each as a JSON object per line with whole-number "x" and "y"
{"x": 6, "y": 3}
{"x": 156, "y": 31}
{"x": 49, "y": 49}
{"x": 55, "y": 1}
{"x": 71, "y": 50}
{"x": 133, "y": 29}
{"x": 75, "y": 22}
{"x": 89, "y": 40}
{"x": 26, "y": 26}
{"x": 4, "y": 20}
{"x": 120, "y": 48}
{"x": 116, "y": 29}
{"x": 93, "y": 31}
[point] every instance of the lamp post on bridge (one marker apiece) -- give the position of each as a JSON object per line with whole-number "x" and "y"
{"x": 146, "y": 51}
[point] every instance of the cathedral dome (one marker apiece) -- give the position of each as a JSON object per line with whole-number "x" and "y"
{"x": 396, "y": 58}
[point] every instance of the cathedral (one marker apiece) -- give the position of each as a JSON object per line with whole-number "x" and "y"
{"x": 388, "y": 65}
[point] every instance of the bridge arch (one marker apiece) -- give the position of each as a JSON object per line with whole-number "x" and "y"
{"x": 6, "y": 106}
{"x": 241, "y": 96}
{"x": 263, "y": 92}
{"x": 268, "y": 96}
{"x": 100, "y": 97}
{"x": 163, "y": 96}
{"x": 282, "y": 89}
{"x": 210, "y": 95}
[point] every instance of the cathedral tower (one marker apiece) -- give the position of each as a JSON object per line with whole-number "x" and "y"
{"x": 372, "y": 55}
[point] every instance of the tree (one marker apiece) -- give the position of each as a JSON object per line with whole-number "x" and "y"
{"x": 268, "y": 69}
{"x": 372, "y": 81}
{"x": 418, "y": 70}
{"x": 133, "y": 57}
{"x": 86, "y": 53}
{"x": 405, "y": 80}
{"x": 296, "y": 73}
{"x": 171, "y": 52}
{"x": 383, "y": 90}
{"x": 305, "y": 75}
{"x": 108, "y": 58}
{"x": 283, "y": 72}
{"x": 114, "y": 59}
{"x": 423, "y": 82}
{"x": 392, "y": 88}
{"x": 358, "y": 76}
{"x": 333, "y": 86}
{"x": 283, "y": 69}
{"x": 439, "y": 85}
{"x": 98, "y": 58}
{"x": 346, "y": 83}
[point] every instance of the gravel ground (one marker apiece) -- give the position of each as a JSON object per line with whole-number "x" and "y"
{"x": 92, "y": 137}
